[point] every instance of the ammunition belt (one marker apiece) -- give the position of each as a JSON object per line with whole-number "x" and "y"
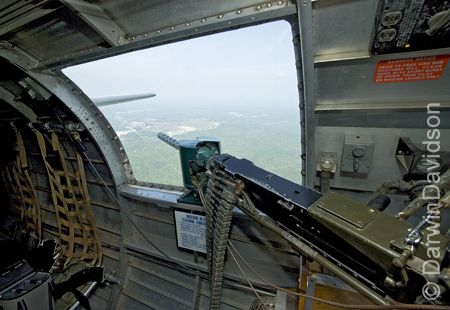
{"x": 220, "y": 199}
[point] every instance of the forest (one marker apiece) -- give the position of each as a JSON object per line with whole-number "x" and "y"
{"x": 268, "y": 138}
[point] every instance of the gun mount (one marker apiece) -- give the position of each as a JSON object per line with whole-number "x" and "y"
{"x": 194, "y": 154}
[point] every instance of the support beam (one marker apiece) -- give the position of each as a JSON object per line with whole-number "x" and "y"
{"x": 305, "y": 19}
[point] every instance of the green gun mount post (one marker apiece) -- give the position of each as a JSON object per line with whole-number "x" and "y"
{"x": 194, "y": 154}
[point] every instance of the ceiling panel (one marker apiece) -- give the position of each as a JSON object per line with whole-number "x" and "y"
{"x": 138, "y": 17}
{"x": 56, "y": 34}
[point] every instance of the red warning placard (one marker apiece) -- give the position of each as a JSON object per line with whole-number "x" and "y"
{"x": 411, "y": 69}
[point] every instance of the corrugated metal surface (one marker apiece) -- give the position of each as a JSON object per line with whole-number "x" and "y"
{"x": 47, "y": 31}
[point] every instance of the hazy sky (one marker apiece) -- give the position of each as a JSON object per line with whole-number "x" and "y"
{"x": 253, "y": 66}
{"x": 248, "y": 72}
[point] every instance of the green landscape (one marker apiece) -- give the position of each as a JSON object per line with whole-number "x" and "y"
{"x": 270, "y": 138}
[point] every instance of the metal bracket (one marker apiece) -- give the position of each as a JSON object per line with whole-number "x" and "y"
{"x": 285, "y": 301}
{"x": 310, "y": 291}
{"x": 357, "y": 154}
{"x": 196, "y": 294}
{"x": 327, "y": 161}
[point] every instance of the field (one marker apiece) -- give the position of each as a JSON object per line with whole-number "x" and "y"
{"x": 268, "y": 138}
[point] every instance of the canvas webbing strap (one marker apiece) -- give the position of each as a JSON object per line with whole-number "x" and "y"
{"x": 77, "y": 230}
{"x": 31, "y": 211}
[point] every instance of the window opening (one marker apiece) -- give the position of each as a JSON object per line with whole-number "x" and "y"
{"x": 238, "y": 86}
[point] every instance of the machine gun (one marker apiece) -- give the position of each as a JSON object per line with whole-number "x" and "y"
{"x": 373, "y": 252}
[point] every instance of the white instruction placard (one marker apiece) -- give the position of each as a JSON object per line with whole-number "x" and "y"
{"x": 191, "y": 231}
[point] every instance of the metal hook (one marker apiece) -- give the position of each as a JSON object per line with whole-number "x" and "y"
{"x": 13, "y": 126}
{"x": 30, "y": 124}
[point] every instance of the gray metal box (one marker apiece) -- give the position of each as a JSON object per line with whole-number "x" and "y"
{"x": 357, "y": 154}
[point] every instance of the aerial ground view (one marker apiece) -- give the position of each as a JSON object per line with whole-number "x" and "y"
{"x": 269, "y": 138}
{"x": 236, "y": 86}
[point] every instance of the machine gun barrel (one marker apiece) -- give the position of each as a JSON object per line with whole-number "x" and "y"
{"x": 169, "y": 140}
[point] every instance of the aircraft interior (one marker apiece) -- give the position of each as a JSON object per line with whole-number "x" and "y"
{"x": 367, "y": 227}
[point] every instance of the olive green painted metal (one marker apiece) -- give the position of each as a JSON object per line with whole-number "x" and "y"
{"x": 365, "y": 229}
{"x": 194, "y": 154}
{"x": 313, "y": 255}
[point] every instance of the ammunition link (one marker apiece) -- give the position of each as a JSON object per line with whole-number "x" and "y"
{"x": 220, "y": 198}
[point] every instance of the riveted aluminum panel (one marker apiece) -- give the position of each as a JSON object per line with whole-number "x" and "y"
{"x": 352, "y": 82}
{"x": 137, "y": 17}
{"x": 343, "y": 26}
{"x": 56, "y": 35}
{"x": 384, "y": 166}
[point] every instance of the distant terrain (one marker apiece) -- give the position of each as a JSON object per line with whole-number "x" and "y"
{"x": 268, "y": 138}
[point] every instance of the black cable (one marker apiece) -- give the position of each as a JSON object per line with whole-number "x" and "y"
{"x": 246, "y": 278}
{"x": 335, "y": 304}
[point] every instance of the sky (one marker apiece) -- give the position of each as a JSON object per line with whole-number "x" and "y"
{"x": 251, "y": 67}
